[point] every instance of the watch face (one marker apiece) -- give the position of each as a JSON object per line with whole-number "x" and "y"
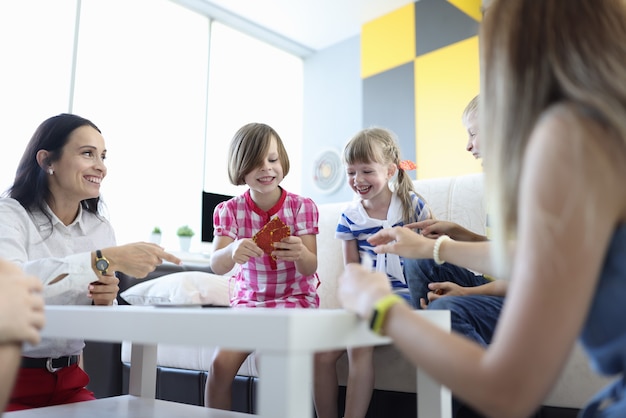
{"x": 102, "y": 265}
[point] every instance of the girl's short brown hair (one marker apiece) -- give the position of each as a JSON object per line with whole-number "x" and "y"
{"x": 248, "y": 149}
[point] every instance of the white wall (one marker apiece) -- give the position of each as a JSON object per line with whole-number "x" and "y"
{"x": 332, "y": 110}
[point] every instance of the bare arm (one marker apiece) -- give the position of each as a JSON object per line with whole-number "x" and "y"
{"x": 433, "y": 228}
{"x": 494, "y": 288}
{"x": 228, "y": 252}
{"x": 10, "y": 357}
{"x": 351, "y": 252}
{"x": 404, "y": 242}
{"x": 136, "y": 259}
{"x": 441, "y": 289}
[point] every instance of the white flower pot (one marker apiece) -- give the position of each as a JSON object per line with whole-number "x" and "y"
{"x": 185, "y": 243}
{"x": 155, "y": 238}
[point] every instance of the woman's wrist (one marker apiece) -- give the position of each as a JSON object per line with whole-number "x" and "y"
{"x": 437, "y": 248}
{"x": 380, "y": 311}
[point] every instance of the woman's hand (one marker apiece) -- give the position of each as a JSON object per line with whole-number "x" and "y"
{"x": 402, "y": 241}
{"x": 433, "y": 228}
{"x": 21, "y": 305}
{"x": 104, "y": 291}
{"x": 137, "y": 259}
{"x": 360, "y": 289}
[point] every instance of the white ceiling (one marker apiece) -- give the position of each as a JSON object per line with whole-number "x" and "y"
{"x": 313, "y": 24}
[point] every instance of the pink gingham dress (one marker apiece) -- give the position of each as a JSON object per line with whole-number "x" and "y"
{"x": 262, "y": 281}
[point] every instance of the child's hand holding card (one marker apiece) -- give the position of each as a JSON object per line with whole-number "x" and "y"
{"x": 273, "y": 231}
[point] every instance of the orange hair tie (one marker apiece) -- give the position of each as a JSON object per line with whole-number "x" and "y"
{"x": 407, "y": 165}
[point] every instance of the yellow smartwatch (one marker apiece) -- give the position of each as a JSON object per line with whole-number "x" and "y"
{"x": 380, "y": 311}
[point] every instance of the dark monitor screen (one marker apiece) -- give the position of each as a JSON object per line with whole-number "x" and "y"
{"x": 209, "y": 203}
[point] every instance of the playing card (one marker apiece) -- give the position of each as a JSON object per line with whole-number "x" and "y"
{"x": 273, "y": 231}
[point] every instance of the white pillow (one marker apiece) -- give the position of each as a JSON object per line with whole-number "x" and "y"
{"x": 188, "y": 287}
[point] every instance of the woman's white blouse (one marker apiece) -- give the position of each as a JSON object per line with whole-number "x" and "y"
{"x": 49, "y": 250}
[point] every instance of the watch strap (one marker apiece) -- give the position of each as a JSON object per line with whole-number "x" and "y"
{"x": 380, "y": 311}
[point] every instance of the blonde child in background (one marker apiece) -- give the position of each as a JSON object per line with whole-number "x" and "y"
{"x": 372, "y": 161}
{"x": 287, "y": 277}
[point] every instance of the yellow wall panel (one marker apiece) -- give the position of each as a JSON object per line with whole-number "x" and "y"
{"x": 388, "y": 41}
{"x": 445, "y": 81}
{"x": 471, "y": 8}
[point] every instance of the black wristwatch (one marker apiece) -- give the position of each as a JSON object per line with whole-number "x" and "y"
{"x": 102, "y": 264}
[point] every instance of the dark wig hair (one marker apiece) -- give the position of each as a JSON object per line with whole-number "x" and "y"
{"x": 30, "y": 186}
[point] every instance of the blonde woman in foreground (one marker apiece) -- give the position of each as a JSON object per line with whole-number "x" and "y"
{"x": 553, "y": 118}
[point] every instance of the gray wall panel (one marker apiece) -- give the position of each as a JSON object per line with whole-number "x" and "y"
{"x": 439, "y": 24}
{"x": 389, "y": 102}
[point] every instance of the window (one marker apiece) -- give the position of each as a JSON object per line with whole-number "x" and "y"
{"x": 36, "y": 43}
{"x": 144, "y": 76}
{"x": 144, "y": 85}
{"x": 251, "y": 81}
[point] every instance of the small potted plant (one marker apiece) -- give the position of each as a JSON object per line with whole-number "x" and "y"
{"x": 155, "y": 235}
{"x": 184, "y": 236}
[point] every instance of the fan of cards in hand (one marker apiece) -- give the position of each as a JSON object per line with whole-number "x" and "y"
{"x": 273, "y": 231}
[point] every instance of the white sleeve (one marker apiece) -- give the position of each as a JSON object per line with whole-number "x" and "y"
{"x": 21, "y": 243}
{"x": 63, "y": 276}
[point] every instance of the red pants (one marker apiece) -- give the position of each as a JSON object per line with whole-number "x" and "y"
{"x": 38, "y": 387}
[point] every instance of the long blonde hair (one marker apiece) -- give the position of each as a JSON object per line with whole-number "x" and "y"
{"x": 535, "y": 54}
{"x": 380, "y": 145}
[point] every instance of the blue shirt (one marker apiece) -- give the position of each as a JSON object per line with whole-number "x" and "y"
{"x": 604, "y": 332}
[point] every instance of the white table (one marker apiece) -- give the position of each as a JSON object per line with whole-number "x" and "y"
{"x": 286, "y": 338}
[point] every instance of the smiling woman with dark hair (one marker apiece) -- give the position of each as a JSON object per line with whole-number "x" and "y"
{"x": 51, "y": 225}
{"x": 31, "y": 183}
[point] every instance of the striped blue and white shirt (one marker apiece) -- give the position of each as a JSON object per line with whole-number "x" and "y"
{"x": 355, "y": 224}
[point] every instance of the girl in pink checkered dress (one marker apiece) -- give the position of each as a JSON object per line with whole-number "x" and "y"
{"x": 283, "y": 277}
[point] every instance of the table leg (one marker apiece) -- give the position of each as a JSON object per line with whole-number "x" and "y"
{"x": 143, "y": 364}
{"x": 285, "y": 391}
{"x": 433, "y": 400}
